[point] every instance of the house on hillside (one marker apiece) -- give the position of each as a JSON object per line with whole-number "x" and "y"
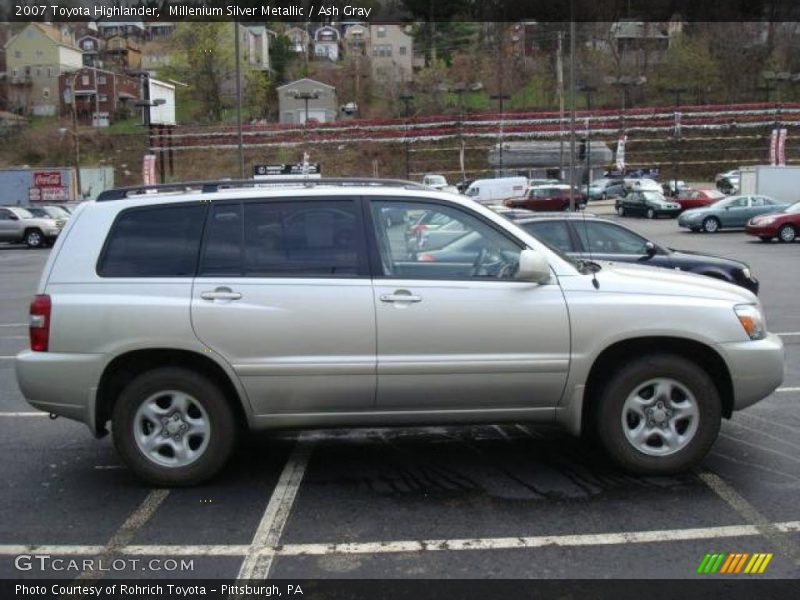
{"x": 100, "y": 95}
{"x": 356, "y": 39}
{"x": 255, "y": 42}
{"x": 326, "y": 43}
{"x": 92, "y": 45}
{"x": 299, "y": 40}
{"x": 307, "y": 100}
{"x": 35, "y": 59}
{"x": 641, "y": 44}
{"x": 391, "y": 51}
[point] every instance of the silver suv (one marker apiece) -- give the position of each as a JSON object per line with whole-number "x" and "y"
{"x": 18, "y": 225}
{"x": 181, "y": 315}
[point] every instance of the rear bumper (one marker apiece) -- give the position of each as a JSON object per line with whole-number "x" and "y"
{"x": 756, "y": 368}
{"x": 61, "y": 384}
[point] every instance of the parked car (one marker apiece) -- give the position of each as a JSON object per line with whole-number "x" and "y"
{"x": 733, "y": 212}
{"x": 728, "y": 182}
{"x": 185, "y": 317}
{"x": 617, "y": 189}
{"x": 697, "y": 198}
{"x": 643, "y": 184}
{"x": 601, "y": 239}
{"x": 18, "y": 225}
{"x": 50, "y": 211}
{"x": 439, "y": 182}
{"x": 603, "y": 188}
{"x": 549, "y": 197}
{"x": 784, "y": 225}
{"x": 672, "y": 188}
{"x": 646, "y": 204}
{"x": 512, "y": 214}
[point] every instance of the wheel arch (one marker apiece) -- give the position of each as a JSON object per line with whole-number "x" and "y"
{"x": 124, "y": 368}
{"x": 618, "y": 353}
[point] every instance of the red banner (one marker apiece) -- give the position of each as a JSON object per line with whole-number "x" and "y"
{"x": 149, "y": 169}
{"x": 782, "y": 147}
{"x": 47, "y": 179}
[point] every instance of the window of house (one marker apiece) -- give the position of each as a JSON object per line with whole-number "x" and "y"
{"x": 381, "y": 32}
{"x": 101, "y": 79}
{"x": 403, "y": 50}
{"x": 84, "y": 80}
{"x": 17, "y": 54}
{"x": 14, "y": 72}
{"x": 38, "y": 71}
{"x": 103, "y": 98}
{"x": 49, "y": 71}
{"x": 45, "y": 92}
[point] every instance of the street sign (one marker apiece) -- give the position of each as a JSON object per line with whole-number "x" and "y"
{"x": 312, "y": 170}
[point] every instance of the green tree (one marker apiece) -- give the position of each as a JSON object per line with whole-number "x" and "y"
{"x": 689, "y": 64}
{"x": 204, "y": 56}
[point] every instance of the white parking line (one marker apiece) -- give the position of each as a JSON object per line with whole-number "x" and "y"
{"x": 751, "y": 514}
{"x": 127, "y": 531}
{"x": 23, "y": 414}
{"x": 13, "y": 324}
{"x": 789, "y": 334}
{"x": 256, "y": 565}
{"x": 430, "y": 545}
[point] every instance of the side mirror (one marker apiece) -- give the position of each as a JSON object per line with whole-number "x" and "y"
{"x": 650, "y": 249}
{"x": 533, "y": 266}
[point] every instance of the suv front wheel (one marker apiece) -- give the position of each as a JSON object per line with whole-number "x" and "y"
{"x": 173, "y": 427}
{"x": 659, "y": 414}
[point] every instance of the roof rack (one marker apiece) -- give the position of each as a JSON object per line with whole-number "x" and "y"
{"x": 210, "y": 187}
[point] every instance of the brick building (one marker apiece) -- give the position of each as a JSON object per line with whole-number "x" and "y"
{"x": 100, "y": 94}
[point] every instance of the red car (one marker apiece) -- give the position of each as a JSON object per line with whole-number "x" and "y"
{"x": 698, "y": 198}
{"x": 784, "y": 225}
{"x": 548, "y": 198}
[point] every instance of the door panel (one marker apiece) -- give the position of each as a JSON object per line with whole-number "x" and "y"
{"x": 480, "y": 340}
{"x": 267, "y": 299}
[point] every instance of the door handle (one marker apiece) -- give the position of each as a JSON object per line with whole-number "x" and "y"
{"x": 400, "y": 296}
{"x": 221, "y": 293}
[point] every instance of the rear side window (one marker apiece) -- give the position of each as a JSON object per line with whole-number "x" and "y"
{"x": 554, "y": 233}
{"x": 283, "y": 239}
{"x": 159, "y": 241}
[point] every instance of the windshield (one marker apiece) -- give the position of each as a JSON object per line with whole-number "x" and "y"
{"x": 23, "y": 214}
{"x": 793, "y": 209}
{"x": 436, "y": 180}
{"x": 653, "y": 196}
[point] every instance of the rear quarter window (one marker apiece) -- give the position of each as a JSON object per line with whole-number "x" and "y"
{"x": 157, "y": 241}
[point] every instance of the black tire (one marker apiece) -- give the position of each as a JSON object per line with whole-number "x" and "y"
{"x": 609, "y": 410}
{"x": 221, "y": 419}
{"x": 711, "y": 225}
{"x": 34, "y": 238}
{"x": 650, "y": 214}
{"x": 787, "y": 234}
{"x": 621, "y": 211}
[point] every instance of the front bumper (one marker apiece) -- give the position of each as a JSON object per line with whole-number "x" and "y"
{"x": 756, "y": 368}
{"x": 60, "y": 383}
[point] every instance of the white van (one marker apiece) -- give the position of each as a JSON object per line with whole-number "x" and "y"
{"x": 493, "y": 191}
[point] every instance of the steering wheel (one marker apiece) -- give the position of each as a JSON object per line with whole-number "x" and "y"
{"x": 476, "y": 266}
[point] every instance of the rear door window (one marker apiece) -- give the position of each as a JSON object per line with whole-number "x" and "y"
{"x": 284, "y": 239}
{"x": 155, "y": 241}
{"x": 554, "y": 233}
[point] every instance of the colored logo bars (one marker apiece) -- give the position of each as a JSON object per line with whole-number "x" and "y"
{"x": 734, "y": 563}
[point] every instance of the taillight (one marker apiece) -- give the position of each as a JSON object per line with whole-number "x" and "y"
{"x": 426, "y": 258}
{"x": 39, "y": 322}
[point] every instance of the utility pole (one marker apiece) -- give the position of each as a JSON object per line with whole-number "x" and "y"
{"x": 75, "y": 138}
{"x": 407, "y": 98}
{"x": 500, "y": 98}
{"x": 572, "y": 105}
{"x": 560, "y": 89}
{"x": 237, "y": 51}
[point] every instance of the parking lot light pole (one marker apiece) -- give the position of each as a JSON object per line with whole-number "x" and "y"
{"x": 73, "y": 101}
{"x": 676, "y": 135}
{"x": 588, "y": 90}
{"x": 501, "y": 98}
{"x": 407, "y": 98}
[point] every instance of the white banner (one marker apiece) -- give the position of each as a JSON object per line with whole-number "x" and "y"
{"x": 782, "y": 147}
{"x": 773, "y": 148}
{"x": 149, "y": 169}
{"x": 621, "y": 153}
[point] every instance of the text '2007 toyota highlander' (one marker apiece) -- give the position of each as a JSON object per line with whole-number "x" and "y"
{"x": 182, "y": 315}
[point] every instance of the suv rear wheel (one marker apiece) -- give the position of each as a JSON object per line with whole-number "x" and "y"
{"x": 659, "y": 414}
{"x": 173, "y": 427}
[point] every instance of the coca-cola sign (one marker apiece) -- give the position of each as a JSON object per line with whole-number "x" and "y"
{"x": 47, "y": 179}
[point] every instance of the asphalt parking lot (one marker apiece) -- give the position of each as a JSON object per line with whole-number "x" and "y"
{"x": 512, "y": 501}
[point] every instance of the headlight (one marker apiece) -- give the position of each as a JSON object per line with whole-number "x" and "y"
{"x": 746, "y": 273}
{"x": 766, "y": 221}
{"x": 752, "y": 320}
